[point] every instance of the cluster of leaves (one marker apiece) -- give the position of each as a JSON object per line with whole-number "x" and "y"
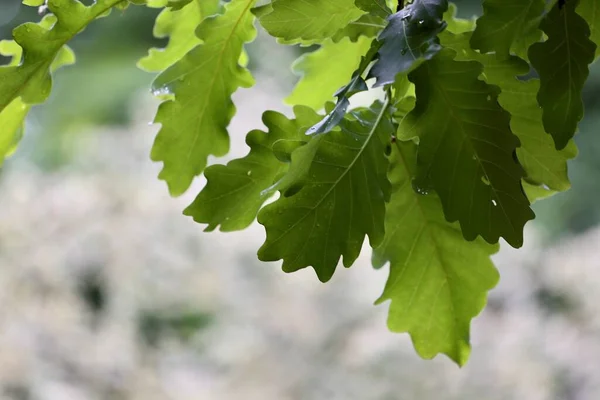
{"x": 474, "y": 121}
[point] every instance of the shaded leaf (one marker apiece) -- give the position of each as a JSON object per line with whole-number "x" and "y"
{"x": 409, "y": 38}
{"x": 308, "y": 21}
{"x": 562, "y": 64}
{"x": 178, "y": 24}
{"x": 321, "y": 78}
{"x": 438, "y": 282}
{"x": 235, "y": 192}
{"x": 194, "y": 124}
{"x": 508, "y": 26}
{"x": 467, "y": 150}
{"x": 340, "y": 194}
{"x": 545, "y": 166}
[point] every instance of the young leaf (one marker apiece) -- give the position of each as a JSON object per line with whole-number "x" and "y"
{"x": 321, "y": 77}
{"x": 562, "y": 63}
{"x": 179, "y": 24}
{"x": 235, "y": 192}
{"x": 409, "y": 38}
{"x": 438, "y": 282}
{"x": 337, "y": 197}
{"x": 544, "y": 165}
{"x": 308, "y": 21}
{"x": 41, "y": 43}
{"x": 590, "y": 11}
{"x": 12, "y": 117}
{"x": 508, "y": 26}
{"x": 194, "y": 124}
{"x": 466, "y": 150}
{"x": 356, "y": 84}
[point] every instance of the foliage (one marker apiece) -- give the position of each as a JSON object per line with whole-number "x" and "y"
{"x": 462, "y": 140}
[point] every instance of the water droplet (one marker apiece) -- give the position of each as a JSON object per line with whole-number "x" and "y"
{"x": 418, "y": 189}
{"x": 163, "y": 91}
{"x": 403, "y": 51}
{"x": 485, "y": 180}
{"x": 406, "y": 17}
{"x": 494, "y": 203}
{"x": 421, "y": 22}
{"x": 249, "y": 173}
{"x": 474, "y": 158}
{"x": 489, "y": 98}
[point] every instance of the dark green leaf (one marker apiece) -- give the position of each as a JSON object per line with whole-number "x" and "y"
{"x": 339, "y": 197}
{"x": 438, "y": 282}
{"x": 545, "y": 166}
{"x": 508, "y": 26}
{"x": 409, "y": 38}
{"x": 467, "y": 150}
{"x": 235, "y": 192}
{"x": 194, "y": 124}
{"x": 562, "y": 63}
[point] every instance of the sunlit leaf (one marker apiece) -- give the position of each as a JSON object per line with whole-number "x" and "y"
{"x": 321, "y": 78}
{"x": 235, "y": 192}
{"x": 194, "y": 123}
{"x": 308, "y": 21}
{"x": 590, "y": 11}
{"x": 179, "y": 25}
{"x": 438, "y": 282}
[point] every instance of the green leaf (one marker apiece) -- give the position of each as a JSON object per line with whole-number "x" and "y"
{"x": 308, "y": 21}
{"x": 562, "y": 64}
{"x": 545, "y": 166}
{"x": 409, "y": 38}
{"x": 337, "y": 197}
{"x": 13, "y": 116}
{"x": 179, "y": 25}
{"x": 457, "y": 25}
{"x": 320, "y": 77}
{"x": 590, "y": 11}
{"x": 466, "y": 150}
{"x": 194, "y": 124}
{"x": 377, "y": 8}
{"x": 41, "y": 43}
{"x": 235, "y": 192}
{"x": 367, "y": 26}
{"x": 438, "y": 282}
{"x": 508, "y": 26}
{"x": 357, "y": 84}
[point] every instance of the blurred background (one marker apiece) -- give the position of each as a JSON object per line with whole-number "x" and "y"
{"x": 108, "y": 292}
